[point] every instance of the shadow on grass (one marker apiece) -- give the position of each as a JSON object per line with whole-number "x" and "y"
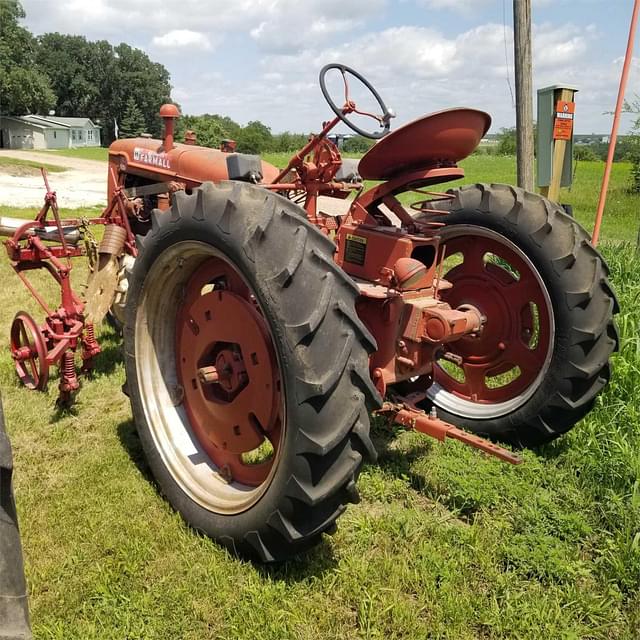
{"x": 314, "y": 563}
{"x": 558, "y": 447}
{"x": 399, "y": 462}
{"x": 112, "y": 353}
{"x": 131, "y": 443}
{"x": 108, "y": 359}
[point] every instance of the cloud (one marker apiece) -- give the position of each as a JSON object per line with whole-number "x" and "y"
{"x": 466, "y": 6}
{"x": 455, "y": 5}
{"x": 274, "y": 25}
{"x": 285, "y": 28}
{"x": 273, "y": 50}
{"x": 553, "y": 47}
{"x": 419, "y": 69}
{"x": 183, "y": 38}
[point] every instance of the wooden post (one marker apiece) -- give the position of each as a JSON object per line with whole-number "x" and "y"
{"x": 524, "y": 91}
{"x": 559, "y": 151}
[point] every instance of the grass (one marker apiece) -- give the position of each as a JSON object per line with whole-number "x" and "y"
{"x": 621, "y": 219}
{"x": 13, "y": 166}
{"x": 86, "y": 153}
{"x": 446, "y": 543}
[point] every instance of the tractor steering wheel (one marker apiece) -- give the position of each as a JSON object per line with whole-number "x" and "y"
{"x": 349, "y": 106}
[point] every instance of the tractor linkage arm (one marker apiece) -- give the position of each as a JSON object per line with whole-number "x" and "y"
{"x": 405, "y": 413}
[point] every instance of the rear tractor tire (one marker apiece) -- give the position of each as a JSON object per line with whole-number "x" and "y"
{"x": 247, "y": 370}
{"x": 543, "y": 354}
{"x": 14, "y": 606}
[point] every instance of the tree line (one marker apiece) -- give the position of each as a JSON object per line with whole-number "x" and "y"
{"x": 119, "y": 87}
{"x": 76, "y": 77}
{"x": 627, "y": 147}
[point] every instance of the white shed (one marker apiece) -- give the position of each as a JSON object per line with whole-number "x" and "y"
{"x": 47, "y": 132}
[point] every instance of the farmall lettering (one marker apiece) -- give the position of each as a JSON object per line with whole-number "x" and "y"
{"x": 151, "y": 157}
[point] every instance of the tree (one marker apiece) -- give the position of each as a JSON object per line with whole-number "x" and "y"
{"x": 288, "y": 142}
{"x": 357, "y": 144}
{"x": 148, "y": 81}
{"x": 210, "y": 130}
{"x": 23, "y": 87}
{"x": 255, "y": 138}
{"x": 585, "y": 153}
{"x": 633, "y": 145}
{"x": 132, "y": 124}
{"x": 507, "y": 142}
{"x": 96, "y": 80}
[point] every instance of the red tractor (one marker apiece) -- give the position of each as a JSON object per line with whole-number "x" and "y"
{"x": 261, "y": 328}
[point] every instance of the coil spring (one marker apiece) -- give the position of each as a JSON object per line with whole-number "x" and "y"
{"x": 427, "y": 209}
{"x": 89, "y": 334}
{"x": 68, "y": 378}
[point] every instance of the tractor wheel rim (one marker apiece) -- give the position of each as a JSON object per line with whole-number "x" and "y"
{"x": 209, "y": 378}
{"x": 503, "y": 367}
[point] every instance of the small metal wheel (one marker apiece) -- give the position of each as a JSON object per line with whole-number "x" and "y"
{"x": 29, "y": 351}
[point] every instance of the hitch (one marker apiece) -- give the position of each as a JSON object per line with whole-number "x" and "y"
{"x": 408, "y": 415}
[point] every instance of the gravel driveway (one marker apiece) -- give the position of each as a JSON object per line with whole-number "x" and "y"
{"x": 83, "y": 184}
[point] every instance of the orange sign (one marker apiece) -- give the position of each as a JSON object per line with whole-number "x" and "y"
{"x": 563, "y": 126}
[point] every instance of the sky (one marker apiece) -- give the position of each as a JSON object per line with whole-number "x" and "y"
{"x": 259, "y": 59}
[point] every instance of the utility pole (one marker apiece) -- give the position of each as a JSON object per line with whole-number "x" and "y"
{"x": 524, "y": 91}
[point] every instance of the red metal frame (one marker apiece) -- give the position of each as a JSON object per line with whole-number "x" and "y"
{"x": 64, "y": 328}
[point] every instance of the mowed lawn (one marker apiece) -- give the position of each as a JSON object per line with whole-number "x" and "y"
{"x": 86, "y": 153}
{"x": 446, "y": 543}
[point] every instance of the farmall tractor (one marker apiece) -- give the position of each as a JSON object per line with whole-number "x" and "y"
{"x": 262, "y": 329}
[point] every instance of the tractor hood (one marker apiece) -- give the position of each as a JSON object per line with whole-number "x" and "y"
{"x": 187, "y": 163}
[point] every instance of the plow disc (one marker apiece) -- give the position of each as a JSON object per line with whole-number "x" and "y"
{"x": 101, "y": 288}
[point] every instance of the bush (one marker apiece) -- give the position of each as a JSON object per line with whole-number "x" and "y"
{"x": 585, "y": 152}
{"x": 507, "y": 142}
{"x": 357, "y": 144}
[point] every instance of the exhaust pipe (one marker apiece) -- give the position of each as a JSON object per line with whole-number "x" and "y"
{"x": 169, "y": 113}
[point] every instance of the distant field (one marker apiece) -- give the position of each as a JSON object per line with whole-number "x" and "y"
{"x": 87, "y": 153}
{"x": 622, "y": 215}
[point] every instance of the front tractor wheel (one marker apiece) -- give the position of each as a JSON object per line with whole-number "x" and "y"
{"x": 542, "y": 356}
{"x": 247, "y": 370}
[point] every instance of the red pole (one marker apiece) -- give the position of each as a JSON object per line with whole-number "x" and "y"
{"x": 616, "y": 123}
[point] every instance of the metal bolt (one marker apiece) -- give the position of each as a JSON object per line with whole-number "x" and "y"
{"x": 208, "y": 375}
{"x": 176, "y": 394}
{"x": 225, "y": 473}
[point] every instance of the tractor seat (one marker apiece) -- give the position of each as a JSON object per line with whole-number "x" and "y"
{"x": 443, "y": 137}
